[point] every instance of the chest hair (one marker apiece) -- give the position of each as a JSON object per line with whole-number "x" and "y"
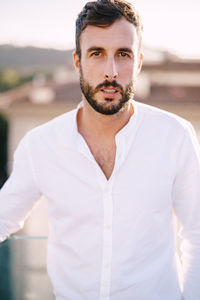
{"x": 105, "y": 157}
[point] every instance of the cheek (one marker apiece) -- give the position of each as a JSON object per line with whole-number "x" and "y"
{"x": 90, "y": 77}
{"x": 126, "y": 67}
{"x": 126, "y": 74}
{"x": 89, "y": 68}
{"x": 93, "y": 73}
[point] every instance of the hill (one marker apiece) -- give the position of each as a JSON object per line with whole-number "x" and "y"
{"x": 33, "y": 58}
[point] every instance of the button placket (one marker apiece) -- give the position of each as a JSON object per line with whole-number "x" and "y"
{"x": 107, "y": 243}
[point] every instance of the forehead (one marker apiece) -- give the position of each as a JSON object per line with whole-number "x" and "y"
{"x": 121, "y": 34}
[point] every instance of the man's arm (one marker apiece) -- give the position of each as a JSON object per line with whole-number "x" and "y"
{"x": 186, "y": 199}
{"x": 19, "y": 193}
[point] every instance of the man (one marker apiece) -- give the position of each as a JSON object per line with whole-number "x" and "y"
{"x": 114, "y": 172}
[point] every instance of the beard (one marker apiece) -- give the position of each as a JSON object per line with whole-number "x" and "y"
{"x": 113, "y": 108}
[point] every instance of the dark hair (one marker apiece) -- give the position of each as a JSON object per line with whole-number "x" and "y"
{"x": 103, "y": 13}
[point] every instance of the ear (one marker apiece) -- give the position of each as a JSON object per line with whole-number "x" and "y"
{"x": 141, "y": 57}
{"x": 76, "y": 61}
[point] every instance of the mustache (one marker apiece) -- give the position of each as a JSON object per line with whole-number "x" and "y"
{"x": 107, "y": 83}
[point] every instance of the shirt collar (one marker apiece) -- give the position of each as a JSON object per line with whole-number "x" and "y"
{"x": 124, "y": 138}
{"x": 132, "y": 102}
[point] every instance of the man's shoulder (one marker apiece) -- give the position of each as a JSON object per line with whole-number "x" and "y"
{"x": 54, "y": 128}
{"x": 162, "y": 118}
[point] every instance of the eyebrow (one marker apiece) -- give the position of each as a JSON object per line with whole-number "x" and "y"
{"x": 126, "y": 50}
{"x": 93, "y": 48}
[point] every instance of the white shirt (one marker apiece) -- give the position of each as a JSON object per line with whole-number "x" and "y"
{"x": 113, "y": 239}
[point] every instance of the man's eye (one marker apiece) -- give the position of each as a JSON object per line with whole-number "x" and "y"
{"x": 123, "y": 54}
{"x": 96, "y": 53}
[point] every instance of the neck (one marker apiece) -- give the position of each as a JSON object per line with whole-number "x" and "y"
{"x": 106, "y": 126}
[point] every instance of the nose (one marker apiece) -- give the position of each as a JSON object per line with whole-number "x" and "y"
{"x": 110, "y": 72}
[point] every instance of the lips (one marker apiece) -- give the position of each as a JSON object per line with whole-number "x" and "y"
{"x": 110, "y": 93}
{"x": 110, "y": 89}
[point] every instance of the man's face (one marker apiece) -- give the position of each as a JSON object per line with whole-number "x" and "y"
{"x": 109, "y": 65}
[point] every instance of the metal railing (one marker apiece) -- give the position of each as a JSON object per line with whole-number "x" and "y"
{"x": 23, "y": 274}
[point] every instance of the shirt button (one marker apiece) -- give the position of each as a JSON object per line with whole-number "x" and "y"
{"x": 108, "y": 227}
{"x": 106, "y": 189}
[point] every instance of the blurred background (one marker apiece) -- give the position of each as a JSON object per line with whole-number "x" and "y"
{"x": 38, "y": 82}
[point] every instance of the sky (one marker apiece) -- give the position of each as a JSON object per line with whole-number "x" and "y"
{"x": 170, "y": 25}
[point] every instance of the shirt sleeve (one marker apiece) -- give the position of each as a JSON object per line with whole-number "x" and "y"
{"x": 19, "y": 193}
{"x": 186, "y": 200}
